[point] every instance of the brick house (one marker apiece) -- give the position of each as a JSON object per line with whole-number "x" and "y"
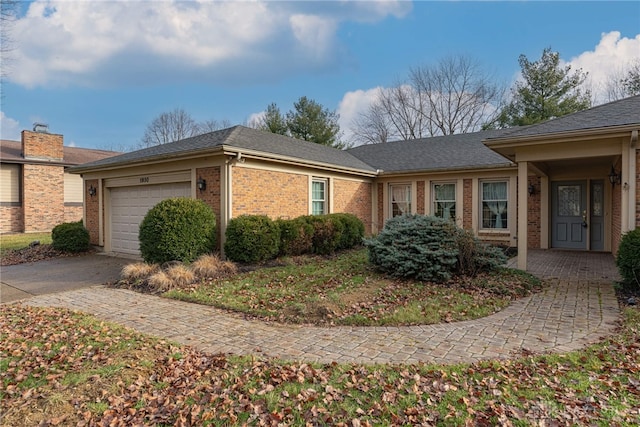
{"x": 36, "y": 191}
{"x": 571, "y": 183}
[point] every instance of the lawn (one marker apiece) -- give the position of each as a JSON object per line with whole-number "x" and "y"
{"x": 63, "y": 368}
{"x": 22, "y": 240}
{"x": 345, "y": 290}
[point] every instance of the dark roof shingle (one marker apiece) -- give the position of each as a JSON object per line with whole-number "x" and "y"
{"x": 461, "y": 151}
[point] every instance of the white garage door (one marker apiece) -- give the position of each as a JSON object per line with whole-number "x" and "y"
{"x": 129, "y": 205}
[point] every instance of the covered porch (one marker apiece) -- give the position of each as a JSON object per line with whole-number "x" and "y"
{"x": 572, "y": 265}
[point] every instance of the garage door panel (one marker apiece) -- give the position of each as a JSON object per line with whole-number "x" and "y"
{"x": 129, "y": 205}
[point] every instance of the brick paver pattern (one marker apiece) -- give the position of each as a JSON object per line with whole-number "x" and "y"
{"x": 578, "y": 307}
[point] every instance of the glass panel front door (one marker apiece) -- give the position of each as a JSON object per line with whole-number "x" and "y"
{"x": 569, "y": 215}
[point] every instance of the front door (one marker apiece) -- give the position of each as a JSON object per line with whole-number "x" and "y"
{"x": 569, "y": 215}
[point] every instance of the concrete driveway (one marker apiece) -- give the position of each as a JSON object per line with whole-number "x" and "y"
{"x": 57, "y": 275}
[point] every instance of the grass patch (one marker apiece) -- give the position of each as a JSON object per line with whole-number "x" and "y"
{"x": 22, "y": 240}
{"x": 148, "y": 381}
{"x": 345, "y": 290}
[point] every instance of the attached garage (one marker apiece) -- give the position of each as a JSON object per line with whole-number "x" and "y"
{"x": 128, "y": 207}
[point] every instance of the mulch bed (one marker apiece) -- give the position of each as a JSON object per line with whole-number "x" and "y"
{"x": 35, "y": 253}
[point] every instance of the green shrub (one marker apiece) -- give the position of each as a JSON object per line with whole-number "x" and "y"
{"x": 475, "y": 256}
{"x": 353, "y": 230}
{"x": 628, "y": 259}
{"x": 296, "y": 236}
{"x": 178, "y": 229}
{"x": 327, "y": 233}
{"x": 252, "y": 238}
{"x": 70, "y": 237}
{"x": 415, "y": 246}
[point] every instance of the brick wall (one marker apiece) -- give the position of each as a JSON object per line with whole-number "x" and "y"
{"x": 355, "y": 198}
{"x": 420, "y": 198}
{"x": 271, "y": 193}
{"x": 11, "y": 219}
{"x": 43, "y": 197}
{"x": 72, "y": 213}
{"x": 533, "y": 214}
{"x": 42, "y": 145}
{"x": 211, "y": 195}
{"x": 92, "y": 221}
{"x": 467, "y": 204}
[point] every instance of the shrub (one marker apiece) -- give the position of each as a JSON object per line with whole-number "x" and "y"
{"x": 180, "y": 276}
{"x": 178, "y": 229}
{"x": 628, "y": 259}
{"x": 296, "y": 236}
{"x": 416, "y": 246}
{"x": 252, "y": 238}
{"x": 70, "y": 237}
{"x": 475, "y": 256}
{"x": 327, "y": 233}
{"x": 353, "y": 230}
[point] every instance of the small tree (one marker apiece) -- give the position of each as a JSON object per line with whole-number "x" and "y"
{"x": 273, "y": 121}
{"x": 546, "y": 90}
{"x": 309, "y": 121}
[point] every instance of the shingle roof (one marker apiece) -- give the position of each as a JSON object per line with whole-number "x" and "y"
{"x": 11, "y": 151}
{"x": 462, "y": 151}
{"x": 618, "y": 113}
{"x": 242, "y": 138}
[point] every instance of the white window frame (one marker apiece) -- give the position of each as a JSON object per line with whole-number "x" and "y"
{"x": 505, "y": 208}
{"x": 434, "y": 201}
{"x": 408, "y": 189}
{"x": 324, "y": 200}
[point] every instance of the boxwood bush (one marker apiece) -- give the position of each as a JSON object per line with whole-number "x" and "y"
{"x": 296, "y": 236}
{"x": 628, "y": 259}
{"x": 352, "y": 232}
{"x": 252, "y": 238}
{"x": 70, "y": 237}
{"x": 177, "y": 229}
{"x": 327, "y": 233}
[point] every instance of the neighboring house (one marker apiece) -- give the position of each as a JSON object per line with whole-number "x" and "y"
{"x": 572, "y": 182}
{"x": 36, "y": 191}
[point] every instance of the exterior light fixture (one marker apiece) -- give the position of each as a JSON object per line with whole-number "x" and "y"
{"x": 92, "y": 190}
{"x": 614, "y": 177}
{"x": 202, "y": 184}
{"x": 531, "y": 189}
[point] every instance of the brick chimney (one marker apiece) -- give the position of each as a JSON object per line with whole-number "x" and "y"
{"x": 39, "y": 144}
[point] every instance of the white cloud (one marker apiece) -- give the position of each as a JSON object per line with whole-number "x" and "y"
{"x": 102, "y": 43}
{"x": 9, "y": 128}
{"x": 351, "y": 106}
{"x": 612, "y": 55}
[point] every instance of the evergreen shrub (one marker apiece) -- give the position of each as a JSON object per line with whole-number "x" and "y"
{"x": 252, "y": 238}
{"x": 416, "y": 246}
{"x": 177, "y": 229}
{"x": 296, "y": 236}
{"x": 475, "y": 256}
{"x": 327, "y": 233}
{"x": 353, "y": 230}
{"x": 70, "y": 237}
{"x": 628, "y": 259}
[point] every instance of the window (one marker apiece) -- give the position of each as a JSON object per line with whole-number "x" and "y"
{"x": 400, "y": 199}
{"x": 73, "y": 186}
{"x": 494, "y": 205}
{"x": 10, "y": 194}
{"x": 318, "y": 197}
{"x": 444, "y": 200}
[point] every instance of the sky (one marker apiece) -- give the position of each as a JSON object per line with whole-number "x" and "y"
{"x": 99, "y": 72}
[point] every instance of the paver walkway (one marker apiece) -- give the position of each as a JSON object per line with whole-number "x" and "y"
{"x": 569, "y": 314}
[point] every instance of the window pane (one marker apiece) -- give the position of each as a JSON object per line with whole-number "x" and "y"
{"x": 318, "y": 197}
{"x": 494, "y": 205}
{"x": 317, "y": 208}
{"x": 317, "y": 190}
{"x": 444, "y": 200}
{"x": 400, "y": 199}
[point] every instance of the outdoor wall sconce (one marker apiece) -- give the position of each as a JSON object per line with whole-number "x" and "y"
{"x": 202, "y": 184}
{"x": 614, "y": 177}
{"x": 92, "y": 190}
{"x": 531, "y": 189}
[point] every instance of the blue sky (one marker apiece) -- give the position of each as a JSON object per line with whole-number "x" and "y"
{"x": 99, "y": 71}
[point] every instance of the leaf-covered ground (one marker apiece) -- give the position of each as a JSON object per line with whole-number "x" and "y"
{"x": 345, "y": 290}
{"x": 63, "y": 368}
